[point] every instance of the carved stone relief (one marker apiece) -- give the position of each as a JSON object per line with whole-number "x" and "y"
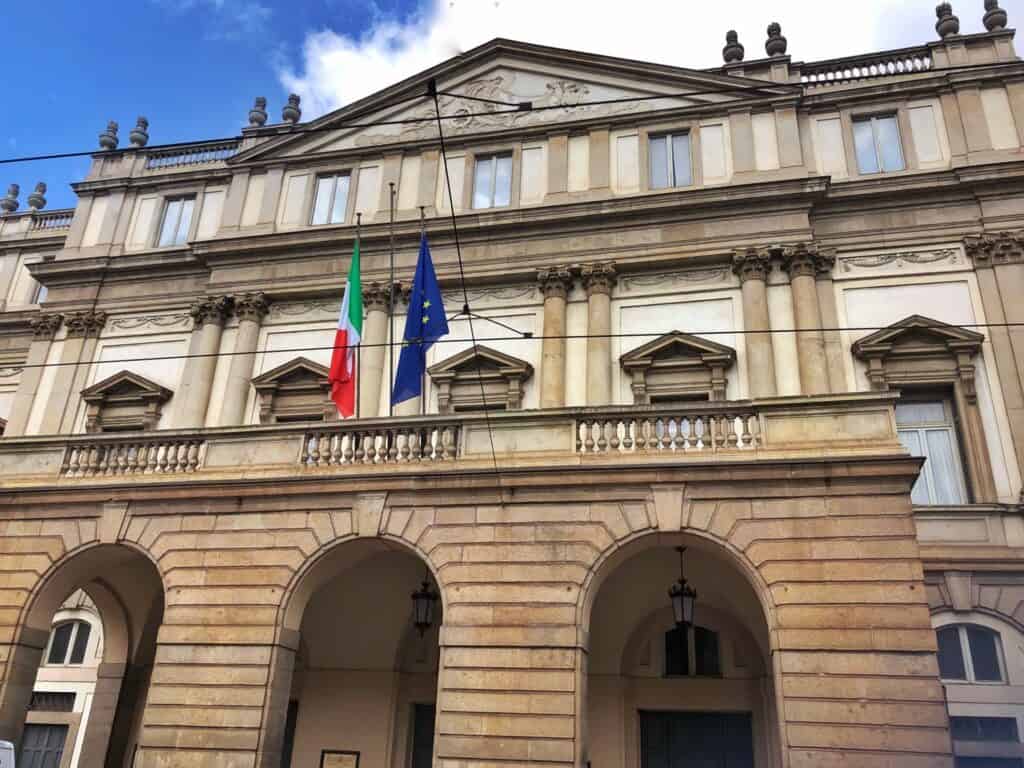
{"x": 901, "y": 259}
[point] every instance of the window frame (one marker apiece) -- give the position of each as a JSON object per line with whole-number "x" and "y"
{"x": 968, "y": 659}
{"x": 492, "y": 158}
{"x": 669, "y": 137}
{"x": 334, "y": 175}
{"x": 76, "y": 627}
{"x": 692, "y": 657}
{"x": 952, "y": 424}
{"x": 167, "y": 203}
{"x": 872, "y": 119}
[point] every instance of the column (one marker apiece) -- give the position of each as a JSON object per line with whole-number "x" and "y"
{"x": 408, "y": 407}
{"x": 831, "y": 339}
{"x": 598, "y": 280}
{"x": 555, "y": 283}
{"x": 83, "y": 330}
{"x": 802, "y": 263}
{"x": 373, "y": 355}
{"x": 208, "y": 316}
{"x": 250, "y": 310}
{"x": 44, "y": 327}
{"x": 752, "y": 266}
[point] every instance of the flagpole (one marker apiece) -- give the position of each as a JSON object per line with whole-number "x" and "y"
{"x": 359, "y": 222}
{"x": 391, "y": 301}
{"x": 423, "y": 373}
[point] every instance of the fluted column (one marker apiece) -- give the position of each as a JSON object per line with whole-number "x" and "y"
{"x": 208, "y": 316}
{"x": 555, "y": 283}
{"x": 76, "y": 357}
{"x": 802, "y": 263}
{"x": 250, "y": 309}
{"x": 373, "y": 355}
{"x": 752, "y": 266}
{"x": 44, "y": 327}
{"x": 598, "y": 280}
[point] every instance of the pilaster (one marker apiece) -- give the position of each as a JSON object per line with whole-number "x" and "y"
{"x": 598, "y": 280}
{"x": 250, "y": 309}
{"x": 752, "y": 266}
{"x": 555, "y": 283}
{"x": 208, "y": 316}
{"x": 83, "y": 330}
{"x": 802, "y": 261}
{"x": 44, "y": 328}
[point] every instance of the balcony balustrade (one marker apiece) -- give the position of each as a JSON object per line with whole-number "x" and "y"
{"x": 869, "y": 67}
{"x": 198, "y": 154}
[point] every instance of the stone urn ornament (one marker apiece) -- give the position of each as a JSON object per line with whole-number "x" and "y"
{"x": 733, "y": 50}
{"x": 108, "y": 139}
{"x": 37, "y": 199}
{"x": 995, "y": 17}
{"x": 776, "y": 44}
{"x": 139, "y": 135}
{"x": 9, "y": 203}
{"x": 258, "y": 113}
{"x": 291, "y": 112}
{"x": 947, "y": 24}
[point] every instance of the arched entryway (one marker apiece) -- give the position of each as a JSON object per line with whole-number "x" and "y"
{"x": 125, "y": 590}
{"x": 663, "y": 694}
{"x": 362, "y": 678}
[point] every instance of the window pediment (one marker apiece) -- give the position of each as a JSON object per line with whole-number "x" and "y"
{"x": 124, "y": 401}
{"x": 459, "y": 378}
{"x": 295, "y": 391}
{"x": 678, "y": 365}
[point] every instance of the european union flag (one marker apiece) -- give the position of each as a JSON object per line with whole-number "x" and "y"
{"x": 425, "y": 324}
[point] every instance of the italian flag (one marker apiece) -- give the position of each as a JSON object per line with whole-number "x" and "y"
{"x": 342, "y": 376}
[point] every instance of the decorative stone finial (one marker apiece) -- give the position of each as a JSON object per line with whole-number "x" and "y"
{"x": 733, "y": 50}
{"x": 37, "y": 199}
{"x": 291, "y": 112}
{"x": 995, "y": 17}
{"x": 775, "y": 45}
{"x": 258, "y": 113}
{"x": 139, "y": 135}
{"x": 108, "y": 139}
{"x": 948, "y": 24}
{"x": 9, "y": 203}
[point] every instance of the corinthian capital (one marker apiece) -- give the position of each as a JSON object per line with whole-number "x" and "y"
{"x": 252, "y": 306}
{"x": 752, "y": 264}
{"x": 214, "y": 309}
{"x": 85, "y": 324}
{"x": 554, "y": 281}
{"x": 807, "y": 260}
{"x": 45, "y": 326}
{"x": 599, "y": 277}
{"x": 996, "y": 248}
{"x": 376, "y": 297}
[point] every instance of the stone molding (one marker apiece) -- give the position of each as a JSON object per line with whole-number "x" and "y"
{"x": 555, "y": 282}
{"x": 252, "y": 306}
{"x": 296, "y": 389}
{"x": 997, "y": 248}
{"x": 45, "y": 326}
{"x": 677, "y": 365}
{"x": 752, "y": 264}
{"x": 376, "y": 297}
{"x": 124, "y": 400}
{"x": 599, "y": 277}
{"x": 85, "y": 324}
{"x": 480, "y": 377}
{"x": 214, "y": 309}
{"x": 807, "y": 260}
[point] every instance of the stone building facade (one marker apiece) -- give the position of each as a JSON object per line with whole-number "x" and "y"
{"x": 769, "y": 312}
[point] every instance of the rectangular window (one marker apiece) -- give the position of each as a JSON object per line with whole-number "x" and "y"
{"x": 492, "y": 181}
{"x": 42, "y": 746}
{"x": 331, "y": 201}
{"x": 983, "y": 728}
{"x": 177, "y": 221}
{"x": 927, "y": 429}
{"x": 877, "y": 140}
{"x": 669, "y": 159}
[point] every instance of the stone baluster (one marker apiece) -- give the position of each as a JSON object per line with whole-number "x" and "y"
{"x": 250, "y": 309}
{"x": 802, "y": 262}
{"x": 44, "y": 327}
{"x": 373, "y": 355}
{"x": 752, "y": 265}
{"x": 208, "y": 316}
{"x": 598, "y": 280}
{"x": 77, "y": 351}
{"x": 555, "y": 283}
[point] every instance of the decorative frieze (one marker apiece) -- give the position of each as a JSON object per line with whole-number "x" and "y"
{"x": 555, "y": 281}
{"x": 215, "y": 309}
{"x": 252, "y": 306}
{"x": 85, "y": 324}
{"x": 45, "y": 326}
{"x": 599, "y": 277}
{"x": 997, "y": 248}
{"x": 668, "y": 279}
{"x": 900, "y": 259}
{"x": 147, "y": 321}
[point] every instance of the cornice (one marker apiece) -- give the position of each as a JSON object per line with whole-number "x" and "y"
{"x": 116, "y": 183}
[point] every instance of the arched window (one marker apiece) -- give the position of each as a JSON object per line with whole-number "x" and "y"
{"x": 703, "y": 661}
{"x": 971, "y": 653}
{"x": 68, "y": 643}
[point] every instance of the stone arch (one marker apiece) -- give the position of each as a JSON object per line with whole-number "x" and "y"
{"x": 128, "y": 590}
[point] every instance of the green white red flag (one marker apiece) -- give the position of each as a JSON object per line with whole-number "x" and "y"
{"x": 343, "y": 373}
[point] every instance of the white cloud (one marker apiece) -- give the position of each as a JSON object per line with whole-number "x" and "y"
{"x": 338, "y": 68}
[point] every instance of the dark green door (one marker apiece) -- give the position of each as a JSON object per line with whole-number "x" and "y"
{"x": 696, "y": 740}
{"x": 422, "y": 735}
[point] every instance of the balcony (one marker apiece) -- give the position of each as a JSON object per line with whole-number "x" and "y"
{"x": 793, "y": 428}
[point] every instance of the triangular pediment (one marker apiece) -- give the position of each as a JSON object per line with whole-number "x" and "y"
{"x": 125, "y": 385}
{"x": 554, "y": 81}
{"x": 675, "y": 345}
{"x": 917, "y": 333}
{"x": 300, "y": 372}
{"x": 483, "y": 359}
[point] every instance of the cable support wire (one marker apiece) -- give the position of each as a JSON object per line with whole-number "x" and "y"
{"x": 521, "y": 336}
{"x": 513, "y": 108}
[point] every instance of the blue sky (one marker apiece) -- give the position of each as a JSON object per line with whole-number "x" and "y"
{"x": 193, "y": 67}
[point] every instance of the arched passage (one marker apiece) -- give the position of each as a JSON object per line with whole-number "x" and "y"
{"x": 656, "y": 693}
{"x": 352, "y": 673}
{"x": 126, "y": 590}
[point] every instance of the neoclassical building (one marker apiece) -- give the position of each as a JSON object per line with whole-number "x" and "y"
{"x": 758, "y": 327}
